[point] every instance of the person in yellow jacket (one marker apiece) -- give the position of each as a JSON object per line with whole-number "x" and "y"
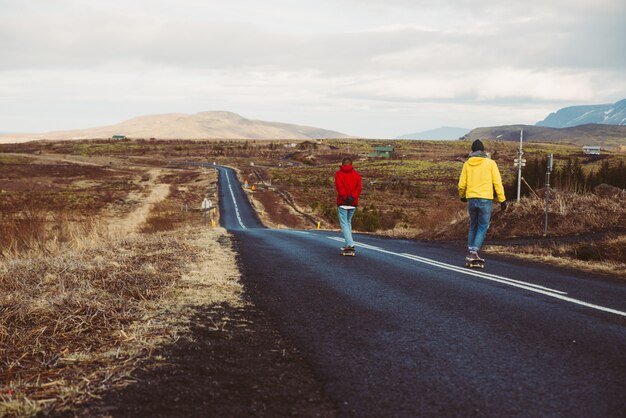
{"x": 479, "y": 177}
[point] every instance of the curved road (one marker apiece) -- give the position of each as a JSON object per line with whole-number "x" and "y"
{"x": 403, "y": 330}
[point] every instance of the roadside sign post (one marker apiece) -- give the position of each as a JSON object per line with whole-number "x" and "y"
{"x": 548, "y": 171}
{"x": 205, "y": 206}
{"x": 520, "y": 162}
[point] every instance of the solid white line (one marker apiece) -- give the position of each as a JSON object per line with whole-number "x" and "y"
{"x": 515, "y": 283}
{"x": 232, "y": 194}
{"x": 460, "y": 269}
{"x": 484, "y": 274}
{"x": 296, "y": 231}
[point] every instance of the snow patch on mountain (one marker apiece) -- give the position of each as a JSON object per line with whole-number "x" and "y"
{"x": 606, "y": 114}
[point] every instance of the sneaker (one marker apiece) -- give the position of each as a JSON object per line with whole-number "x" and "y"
{"x": 348, "y": 248}
{"x": 475, "y": 256}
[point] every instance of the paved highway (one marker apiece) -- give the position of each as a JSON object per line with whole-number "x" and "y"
{"x": 403, "y": 329}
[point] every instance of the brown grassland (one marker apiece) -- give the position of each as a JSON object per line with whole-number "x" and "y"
{"x": 102, "y": 242}
{"x": 411, "y": 196}
{"x": 98, "y": 265}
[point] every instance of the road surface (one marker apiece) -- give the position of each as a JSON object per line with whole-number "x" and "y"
{"x": 403, "y": 329}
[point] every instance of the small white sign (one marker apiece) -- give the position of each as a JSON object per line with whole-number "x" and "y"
{"x": 206, "y": 204}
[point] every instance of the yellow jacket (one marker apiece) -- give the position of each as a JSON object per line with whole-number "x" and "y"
{"x": 479, "y": 177}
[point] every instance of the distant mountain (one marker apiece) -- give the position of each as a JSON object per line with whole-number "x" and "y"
{"x": 606, "y": 114}
{"x": 445, "y": 132}
{"x": 613, "y": 136}
{"x": 204, "y": 125}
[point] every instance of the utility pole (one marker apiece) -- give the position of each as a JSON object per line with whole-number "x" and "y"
{"x": 520, "y": 162}
{"x": 548, "y": 171}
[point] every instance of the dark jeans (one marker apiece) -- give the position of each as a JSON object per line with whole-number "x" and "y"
{"x": 479, "y": 215}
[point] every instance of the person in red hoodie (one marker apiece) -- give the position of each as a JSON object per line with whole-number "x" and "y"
{"x": 349, "y": 185}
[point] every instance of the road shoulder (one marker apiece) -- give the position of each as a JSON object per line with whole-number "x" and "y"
{"x": 228, "y": 359}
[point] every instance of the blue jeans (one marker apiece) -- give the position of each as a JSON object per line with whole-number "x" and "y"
{"x": 479, "y": 216}
{"x": 345, "y": 220}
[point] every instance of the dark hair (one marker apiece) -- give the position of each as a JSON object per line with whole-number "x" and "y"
{"x": 346, "y": 161}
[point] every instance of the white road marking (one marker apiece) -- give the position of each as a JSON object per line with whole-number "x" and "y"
{"x": 463, "y": 270}
{"x": 296, "y": 231}
{"x": 232, "y": 194}
{"x": 487, "y": 276}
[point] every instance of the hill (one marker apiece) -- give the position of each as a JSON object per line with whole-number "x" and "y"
{"x": 611, "y": 136}
{"x": 203, "y": 125}
{"x": 606, "y": 114}
{"x": 445, "y": 132}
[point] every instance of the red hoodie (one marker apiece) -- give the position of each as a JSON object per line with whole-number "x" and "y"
{"x": 348, "y": 183}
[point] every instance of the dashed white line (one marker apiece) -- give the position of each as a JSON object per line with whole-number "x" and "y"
{"x": 487, "y": 276}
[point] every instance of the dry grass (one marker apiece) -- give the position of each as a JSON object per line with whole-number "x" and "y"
{"x": 45, "y": 207}
{"x": 31, "y": 228}
{"x": 186, "y": 191}
{"x": 38, "y": 232}
{"x": 83, "y": 301}
{"x": 569, "y": 214}
{"x": 584, "y": 232}
{"x": 80, "y": 211}
{"x": 74, "y": 324}
{"x": 569, "y": 255}
{"x": 64, "y": 311}
{"x": 213, "y": 278}
{"x": 274, "y": 212}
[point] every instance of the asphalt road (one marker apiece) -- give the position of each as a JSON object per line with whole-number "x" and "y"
{"x": 403, "y": 329}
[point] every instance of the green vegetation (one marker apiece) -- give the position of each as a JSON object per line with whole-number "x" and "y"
{"x": 114, "y": 148}
{"x": 576, "y": 174}
{"x": 14, "y": 159}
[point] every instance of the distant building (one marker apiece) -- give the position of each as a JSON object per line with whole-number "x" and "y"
{"x": 591, "y": 149}
{"x": 119, "y": 137}
{"x": 382, "y": 152}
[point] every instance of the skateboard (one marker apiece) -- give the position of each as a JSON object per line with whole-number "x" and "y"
{"x": 350, "y": 252}
{"x": 474, "y": 264}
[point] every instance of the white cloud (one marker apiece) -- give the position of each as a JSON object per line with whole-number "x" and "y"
{"x": 503, "y": 83}
{"x": 378, "y": 66}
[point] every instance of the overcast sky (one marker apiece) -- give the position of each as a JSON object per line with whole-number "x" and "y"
{"x": 362, "y": 67}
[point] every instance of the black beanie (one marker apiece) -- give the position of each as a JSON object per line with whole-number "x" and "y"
{"x": 477, "y": 146}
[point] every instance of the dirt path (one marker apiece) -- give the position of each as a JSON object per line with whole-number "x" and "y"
{"x": 117, "y": 227}
{"x": 132, "y": 222}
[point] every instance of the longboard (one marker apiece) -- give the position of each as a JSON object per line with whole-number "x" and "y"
{"x": 351, "y": 253}
{"x": 474, "y": 264}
